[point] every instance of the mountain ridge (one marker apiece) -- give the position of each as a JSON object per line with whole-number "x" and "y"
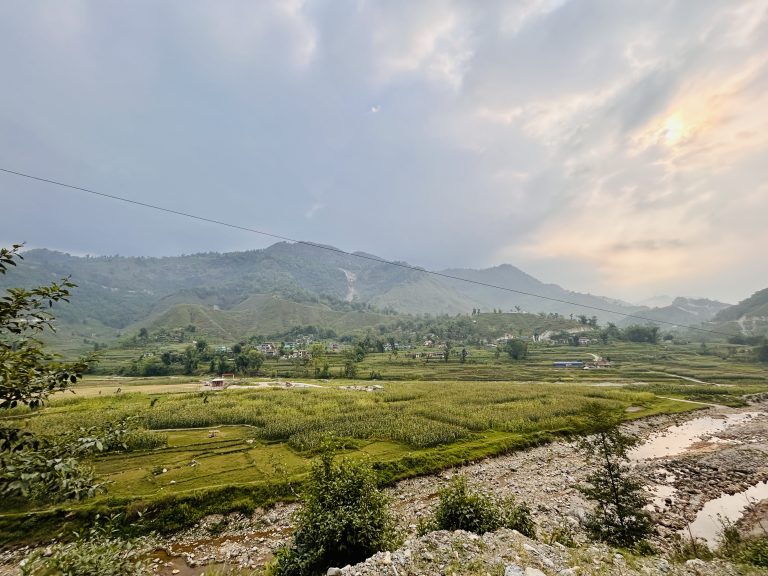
{"x": 121, "y": 292}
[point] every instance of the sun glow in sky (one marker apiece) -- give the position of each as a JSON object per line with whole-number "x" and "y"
{"x": 674, "y": 130}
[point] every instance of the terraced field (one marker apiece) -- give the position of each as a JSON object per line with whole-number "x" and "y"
{"x": 243, "y": 448}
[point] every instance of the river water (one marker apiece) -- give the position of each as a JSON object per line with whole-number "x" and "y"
{"x": 727, "y": 508}
{"x": 678, "y": 439}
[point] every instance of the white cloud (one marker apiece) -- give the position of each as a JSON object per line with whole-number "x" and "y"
{"x": 517, "y": 15}
{"x": 313, "y": 210}
{"x": 427, "y": 41}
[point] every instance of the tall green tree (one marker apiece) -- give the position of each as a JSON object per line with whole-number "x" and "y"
{"x": 32, "y": 467}
{"x": 619, "y": 517}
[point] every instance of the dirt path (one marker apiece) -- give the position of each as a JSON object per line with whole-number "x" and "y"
{"x": 688, "y": 378}
{"x": 693, "y": 402}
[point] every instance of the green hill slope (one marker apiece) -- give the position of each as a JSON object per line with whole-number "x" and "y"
{"x": 225, "y": 292}
{"x": 259, "y": 314}
{"x": 749, "y": 317}
{"x": 754, "y": 306}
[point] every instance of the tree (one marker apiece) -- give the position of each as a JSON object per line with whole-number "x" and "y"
{"x": 516, "y": 349}
{"x": 32, "y": 467}
{"x": 619, "y": 517}
{"x": 343, "y": 520}
{"x": 319, "y": 355}
{"x": 761, "y": 352}
{"x": 637, "y": 333}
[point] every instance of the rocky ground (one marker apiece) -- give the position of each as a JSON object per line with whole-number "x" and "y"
{"x": 545, "y": 478}
{"x": 509, "y": 553}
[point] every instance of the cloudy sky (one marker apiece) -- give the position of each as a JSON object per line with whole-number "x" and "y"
{"x": 614, "y": 147}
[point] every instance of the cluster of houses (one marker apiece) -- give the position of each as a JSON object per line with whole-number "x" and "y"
{"x": 291, "y": 349}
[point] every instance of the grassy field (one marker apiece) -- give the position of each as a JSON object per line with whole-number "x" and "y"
{"x": 242, "y": 448}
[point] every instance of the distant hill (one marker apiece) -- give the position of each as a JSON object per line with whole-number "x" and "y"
{"x": 754, "y": 306}
{"x": 523, "y": 286}
{"x": 659, "y": 301}
{"x": 265, "y": 291}
{"x": 682, "y": 311}
{"x": 748, "y": 317}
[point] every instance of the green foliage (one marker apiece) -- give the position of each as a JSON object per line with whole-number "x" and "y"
{"x": 30, "y": 467}
{"x": 36, "y": 470}
{"x": 344, "y": 519}
{"x": 462, "y": 508}
{"x": 748, "y": 549}
{"x": 754, "y": 551}
{"x": 685, "y": 548}
{"x": 636, "y": 333}
{"x": 619, "y": 517}
{"x": 563, "y": 534}
{"x": 98, "y": 551}
{"x": 28, "y": 374}
{"x": 123, "y": 435}
{"x": 516, "y": 349}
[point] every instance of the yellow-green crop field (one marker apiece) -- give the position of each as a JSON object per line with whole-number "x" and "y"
{"x": 241, "y": 448}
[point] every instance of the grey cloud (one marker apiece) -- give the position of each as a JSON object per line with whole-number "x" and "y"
{"x": 257, "y": 113}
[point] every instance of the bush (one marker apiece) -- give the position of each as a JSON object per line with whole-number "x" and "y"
{"x": 344, "y": 520}
{"x": 99, "y": 551}
{"x": 461, "y": 508}
{"x": 35, "y": 470}
{"x": 754, "y": 551}
{"x": 748, "y": 549}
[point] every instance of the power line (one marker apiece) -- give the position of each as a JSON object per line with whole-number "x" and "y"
{"x": 351, "y": 254}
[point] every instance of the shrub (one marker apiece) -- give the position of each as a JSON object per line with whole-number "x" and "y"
{"x": 98, "y": 551}
{"x": 344, "y": 520}
{"x": 748, "y": 549}
{"x": 688, "y": 548}
{"x": 461, "y": 508}
{"x": 755, "y": 551}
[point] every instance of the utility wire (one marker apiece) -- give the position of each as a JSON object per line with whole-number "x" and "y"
{"x": 351, "y": 254}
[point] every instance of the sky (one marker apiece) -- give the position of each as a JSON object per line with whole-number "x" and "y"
{"x": 612, "y": 147}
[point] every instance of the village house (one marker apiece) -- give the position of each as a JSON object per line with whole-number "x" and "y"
{"x": 218, "y": 383}
{"x": 268, "y": 349}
